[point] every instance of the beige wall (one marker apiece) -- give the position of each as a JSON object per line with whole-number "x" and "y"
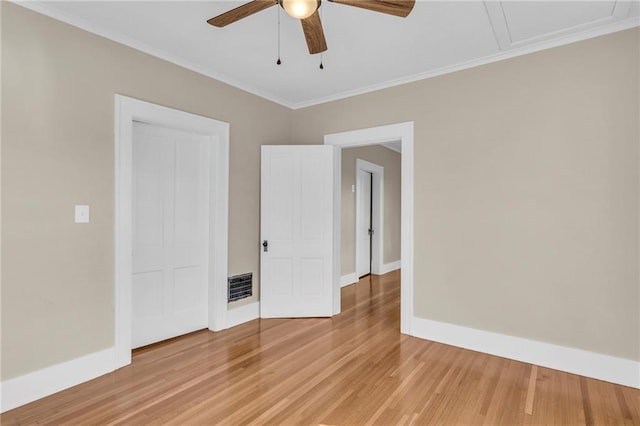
{"x": 58, "y": 86}
{"x": 390, "y": 160}
{"x": 526, "y": 191}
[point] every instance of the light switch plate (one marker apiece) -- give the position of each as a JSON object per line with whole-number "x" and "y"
{"x": 82, "y": 214}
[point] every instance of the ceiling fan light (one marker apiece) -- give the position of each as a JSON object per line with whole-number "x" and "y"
{"x": 300, "y": 9}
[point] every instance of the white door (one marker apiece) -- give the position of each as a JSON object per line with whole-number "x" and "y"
{"x": 364, "y": 222}
{"x": 296, "y": 273}
{"x": 170, "y": 233}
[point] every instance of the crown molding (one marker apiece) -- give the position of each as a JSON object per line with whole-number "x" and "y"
{"x": 44, "y": 9}
{"x": 614, "y": 27}
{"x": 515, "y": 51}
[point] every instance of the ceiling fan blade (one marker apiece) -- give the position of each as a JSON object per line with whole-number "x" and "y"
{"x": 400, "y": 8}
{"x": 314, "y": 34}
{"x": 240, "y": 12}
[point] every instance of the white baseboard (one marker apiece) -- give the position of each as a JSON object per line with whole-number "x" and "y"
{"x": 577, "y": 361}
{"x": 32, "y": 386}
{"x": 242, "y": 314}
{"x": 388, "y": 267}
{"x": 351, "y": 278}
{"x": 348, "y": 279}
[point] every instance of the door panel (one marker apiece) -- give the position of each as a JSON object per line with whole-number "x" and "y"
{"x": 170, "y": 233}
{"x": 297, "y": 222}
{"x": 314, "y": 267}
{"x": 281, "y": 187}
{"x": 147, "y": 293}
{"x": 311, "y": 205}
{"x": 280, "y": 276}
{"x": 364, "y": 223}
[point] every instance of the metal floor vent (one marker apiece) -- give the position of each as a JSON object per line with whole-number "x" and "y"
{"x": 239, "y": 287}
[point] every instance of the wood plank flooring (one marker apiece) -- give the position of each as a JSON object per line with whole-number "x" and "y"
{"x": 353, "y": 369}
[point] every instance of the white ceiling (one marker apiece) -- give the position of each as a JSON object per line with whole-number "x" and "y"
{"x": 366, "y": 50}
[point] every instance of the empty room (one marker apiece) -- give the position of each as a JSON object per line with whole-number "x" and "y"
{"x": 306, "y": 212}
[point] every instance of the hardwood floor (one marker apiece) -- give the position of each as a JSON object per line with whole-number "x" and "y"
{"x": 353, "y": 369}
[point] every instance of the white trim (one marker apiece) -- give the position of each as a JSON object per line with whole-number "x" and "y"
{"x": 348, "y": 279}
{"x": 389, "y": 267}
{"x": 371, "y": 136}
{"x": 498, "y": 22}
{"x": 577, "y": 361}
{"x": 497, "y": 17}
{"x": 352, "y": 278}
{"x": 38, "y": 384}
{"x": 126, "y": 111}
{"x": 1, "y": 222}
{"x": 337, "y": 231}
{"x": 242, "y": 314}
{"x": 393, "y": 146}
{"x": 620, "y": 25}
{"x": 377, "y": 203}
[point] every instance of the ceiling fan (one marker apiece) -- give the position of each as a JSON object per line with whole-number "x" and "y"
{"x": 307, "y": 12}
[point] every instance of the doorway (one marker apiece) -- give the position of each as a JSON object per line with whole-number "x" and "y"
{"x": 364, "y": 238}
{"x": 403, "y": 133}
{"x": 171, "y": 203}
{"x": 369, "y": 218}
{"x": 127, "y": 111}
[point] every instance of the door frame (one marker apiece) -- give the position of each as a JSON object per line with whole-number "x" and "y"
{"x": 128, "y": 110}
{"x": 377, "y": 205}
{"x": 402, "y": 132}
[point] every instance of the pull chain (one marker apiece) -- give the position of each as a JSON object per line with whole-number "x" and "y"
{"x": 278, "y": 62}
{"x": 321, "y": 53}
